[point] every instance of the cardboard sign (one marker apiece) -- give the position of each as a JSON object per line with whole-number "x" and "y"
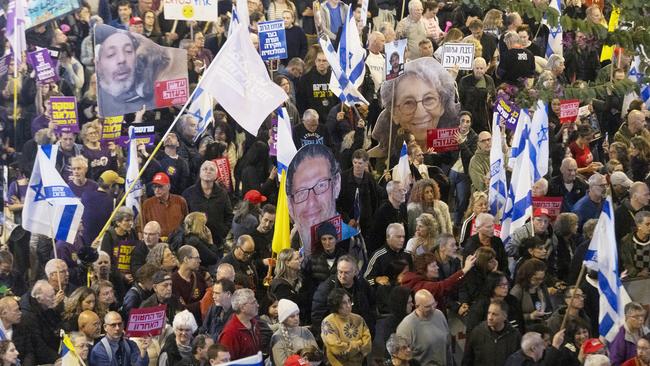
{"x": 223, "y": 173}
{"x": 64, "y": 114}
{"x": 112, "y": 128}
{"x": 442, "y": 139}
{"x": 144, "y": 134}
{"x": 41, "y": 11}
{"x": 395, "y": 58}
{"x": 171, "y": 92}
{"x": 336, "y": 221}
{"x": 552, "y": 204}
{"x": 273, "y": 148}
{"x": 199, "y": 10}
{"x": 507, "y": 111}
{"x": 4, "y": 64}
{"x": 461, "y": 54}
{"x": 569, "y": 110}
{"x": 122, "y": 255}
{"x": 144, "y": 322}
{"x": 273, "y": 41}
{"x": 44, "y": 66}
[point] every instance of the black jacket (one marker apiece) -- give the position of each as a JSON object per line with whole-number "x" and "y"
{"x": 43, "y": 327}
{"x": 473, "y": 243}
{"x": 217, "y": 208}
{"x": 369, "y": 195}
{"x": 381, "y": 260}
{"x": 475, "y": 100}
{"x": 486, "y": 347}
{"x": 556, "y": 188}
{"x": 385, "y": 215}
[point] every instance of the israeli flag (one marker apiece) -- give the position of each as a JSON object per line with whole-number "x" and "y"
{"x": 554, "y": 45}
{"x": 636, "y": 75}
{"x": 202, "y": 109}
{"x": 286, "y": 148}
{"x": 519, "y": 205}
{"x": 256, "y": 360}
{"x": 51, "y": 208}
{"x": 402, "y": 171}
{"x": 234, "y": 20}
{"x": 348, "y": 64}
{"x": 133, "y": 196}
{"x": 524, "y": 123}
{"x": 602, "y": 257}
{"x": 539, "y": 139}
{"x": 497, "y": 191}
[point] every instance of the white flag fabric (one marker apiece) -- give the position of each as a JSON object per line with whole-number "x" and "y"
{"x": 602, "y": 257}
{"x": 201, "y": 108}
{"x": 51, "y": 208}
{"x": 497, "y": 192}
{"x": 402, "y": 171}
{"x": 286, "y": 149}
{"x": 240, "y": 82}
{"x": 255, "y": 360}
{"x": 364, "y": 12}
{"x": 234, "y": 20}
{"x": 636, "y": 75}
{"x": 133, "y": 198}
{"x": 15, "y": 31}
{"x": 554, "y": 45}
{"x": 539, "y": 139}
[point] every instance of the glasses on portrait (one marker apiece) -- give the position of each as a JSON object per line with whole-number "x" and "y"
{"x": 408, "y": 106}
{"x": 319, "y": 188}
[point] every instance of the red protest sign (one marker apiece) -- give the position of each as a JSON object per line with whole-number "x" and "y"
{"x": 171, "y": 92}
{"x": 336, "y": 221}
{"x": 146, "y": 322}
{"x": 552, "y": 204}
{"x": 569, "y": 110}
{"x": 223, "y": 172}
{"x": 442, "y": 139}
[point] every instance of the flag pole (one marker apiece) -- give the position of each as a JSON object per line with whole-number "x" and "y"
{"x": 390, "y": 128}
{"x": 573, "y": 296}
{"x": 58, "y": 275}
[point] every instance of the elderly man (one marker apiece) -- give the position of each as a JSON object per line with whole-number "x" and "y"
{"x": 166, "y": 208}
{"x": 623, "y": 347}
{"x": 162, "y": 288}
{"x": 554, "y": 73}
{"x": 589, "y": 206}
{"x": 186, "y": 130}
{"x": 56, "y": 272}
{"x": 634, "y": 126}
{"x": 380, "y": 264}
{"x": 42, "y": 323}
{"x": 240, "y": 259}
{"x": 479, "y": 165}
{"x": 635, "y": 247}
{"x": 209, "y": 197}
{"x": 77, "y": 180}
{"x": 150, "y": 237}
{"x": 574, "y": 297}
{"x": 391, "y": 210}
{"x": 310, "y": 131}
{"x": 485, "y": 238}
{"x": 413, "y": 28}
{"x": 568, "y": 184}
{"x": 541, "y": 229}
{"x": 427, "y": 332}
{"x": 474, "y": 90}
{"x": 90, "y": 325}
{"x": 531, "y": 352}
{"x": 114, "y": 349}
{"x": 10, "y": 327}
{"x": 624, "y": 214}
{"x": 241, "y": 335}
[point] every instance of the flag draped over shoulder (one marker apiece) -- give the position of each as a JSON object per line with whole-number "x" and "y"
{"x": 240, "y": 82}
{"x": 133, "y": 197}
{"x": 497, "y": 190}
{"x": 281, "y": 231}
{"x": 602, "y": 257}
{"x": 15, "y": 32}
{"x": 51, "y": 208}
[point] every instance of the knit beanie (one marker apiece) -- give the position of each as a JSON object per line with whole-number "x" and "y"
{"x": 286, "y": 308}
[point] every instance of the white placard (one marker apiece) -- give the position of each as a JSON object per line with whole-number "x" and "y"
{"x": 461, "y": 54}
{"x": 199, "y": 10}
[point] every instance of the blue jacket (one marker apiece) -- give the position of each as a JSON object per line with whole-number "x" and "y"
{"x": 101, "y": 357}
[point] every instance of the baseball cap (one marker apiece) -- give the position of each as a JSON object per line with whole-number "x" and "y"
{"x": 160, "y": 277}
{"x": 110, "y": 177}
{"x": 160, "y": 179}
{"x": 295, "y": 360}
{"x": 619, "y": 178}
{"x": 541, "y": 211}
{"x": 135, "y": 21}
{"x": 254, "y": 196}
{"x": 592, "y": 345}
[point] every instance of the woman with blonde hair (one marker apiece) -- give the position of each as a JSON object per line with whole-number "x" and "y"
{"x": 425, "y": 198}
{"x": 100, "y": 157}
{"x": 287, "y": 282}
{"x": 493, "y": 22}
{"x": 424, "y": 239}
{"x": 198, "y": 235}
{"x": 277, "y": 7}
{"x": 478, "y": 204}
{"x": 81, "y": 299}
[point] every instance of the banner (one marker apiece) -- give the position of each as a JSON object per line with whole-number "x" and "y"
{"x": 197, "y": 10}
{"x": 122, "y": 255}
{"x": 273, "y": 147}
{"x": 44, "y": 66}
{"x": 63, "y": 111}
{"x": 569, "y": 110}
{"x": 41, "y": 11}
{"x": 145, "y": 322}
{"x": 273, "y": 41}
{"x": 395, "y": 62}
{"x": 144, "y": 134}
{"x": 112, "y": 128}
{"x": 442, "y": 139}
{"x": 552, "y": 204}
{"x": 133, "y": 71}
{"x": 336, "y": 221}
{"x": 461, "y": 54}
{"x": 507, "y": 111}
{"x": 223, "y": 173}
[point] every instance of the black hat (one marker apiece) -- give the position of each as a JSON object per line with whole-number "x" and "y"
{"x": 326, "y": 228}
{"x": 160, "y": 277}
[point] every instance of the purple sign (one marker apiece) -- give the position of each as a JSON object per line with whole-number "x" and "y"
{"x": 44, "y": 66}
{"x": 507, "y": 111}
{"x": 273, "y": 148}
{"x": 144, "y": 134}
{"x": 64, "y": 113}
{"x": 4, "y": 64}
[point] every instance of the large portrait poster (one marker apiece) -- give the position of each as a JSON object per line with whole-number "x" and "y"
{"x": 133, "y": 71}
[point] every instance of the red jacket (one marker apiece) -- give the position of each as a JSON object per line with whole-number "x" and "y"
{"x": 241, "y": 341}
{"x": 439, "y": 289}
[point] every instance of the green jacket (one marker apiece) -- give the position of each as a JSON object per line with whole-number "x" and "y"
{"x": 479, "y": 167}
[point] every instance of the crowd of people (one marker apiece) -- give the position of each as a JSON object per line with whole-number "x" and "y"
{"x": 424, "y": 278}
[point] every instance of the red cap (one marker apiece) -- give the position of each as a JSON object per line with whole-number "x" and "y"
{"x": 295, "y": 360}
{"x": 592, "y": 345}
{"x": 135, "y": 21}
{"x": 541, "y": 211}
{"x": 160, "y": 178}
{"x": 254, "y": 196}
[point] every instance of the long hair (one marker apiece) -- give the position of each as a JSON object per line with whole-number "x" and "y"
{"x": 194, "y": 223}
{"x": 72, "y": 305}
{"x": 282, "y": 271}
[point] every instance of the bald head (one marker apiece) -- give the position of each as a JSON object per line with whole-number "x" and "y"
{"x": 151, "y": 233}
{"x": 423, "y": 297}
{"x": 89, "y": 324}
{"x": 635, "y": 121}
{"x": 485, "y": 141}
{"x": 376, "y": 42}
{"x": 569, "y": 170}
{"x": 87, "y": 316}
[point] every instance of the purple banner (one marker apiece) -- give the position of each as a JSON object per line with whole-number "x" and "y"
{"x": 507, "y": 111}
{"x": 4, "y": 64}
{"x": 64, "y": 114}
{"x": 144, "y": 134}
{"x": 44, "y": 66}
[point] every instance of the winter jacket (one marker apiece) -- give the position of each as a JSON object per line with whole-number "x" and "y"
{"x": 369, "y": 198}
{"x": 486, "y": 347}
{"x": 217, "y": 207}
{"x": 101, "y": 356}
{"x": 479, "y": 166}
{"x": 439, "y": 289}
{"x": 624, "y": 134}
{"x": 623, "y": 347}
{"x": 627, "y": 250}
{"x": 475, "y": 100}
{"x": 239, "y": 340}
{"x": 478, "y": 313}
{"x": 43, "y": 326}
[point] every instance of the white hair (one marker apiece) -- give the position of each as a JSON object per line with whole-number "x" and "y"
{"x": 597, "y": 360}
{"x": 186, "y": 320}
{"x": 39, "y": 288}
{"x": 52, "y": 265}
{"x": 483, "y": 218}
{"x": 241, "y": 297}
{"x": 412, "y": 4}
{"x": 529, "y": 340}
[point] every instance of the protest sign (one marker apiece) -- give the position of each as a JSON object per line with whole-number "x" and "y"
{"x": 145, "y": 322}
{"x": 43, "y": 65}
{"x": 273, "y": 148}
{"x": 223, "y": 173}
{"x": 461, "y": 54}
{"x": 197, "y": 10}
{"x": 122, "y": 255}
{"x": 112, "y": 128}
{"x": 442, "y": 139}
{"x": 507, "y": 111}
{"x": 41, "y": 11}
{"x": 150, "y": 75}
{"x": 395, "y": 62}
{"x": 273, "y": 41}
{"x": 64, "y": 114}
{"x": 336, "y": 221}
{"x": 144, "y": 134}
{"x": 4, "y": 64}
{"x": 552, "y": 204}
{"x": 569, "y": 110}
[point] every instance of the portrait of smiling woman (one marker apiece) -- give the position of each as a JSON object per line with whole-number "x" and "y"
{"x": 424, "y": 98}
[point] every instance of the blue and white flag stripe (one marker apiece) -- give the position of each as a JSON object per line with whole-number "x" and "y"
{"x": 202, "y": 109}
{"x": 554, "y": 45}
{"x": 539, "y": 140}
{"x": 402, "y": 171}
{"x": 286, "y": 149}
{"x": 497, "y": 192}
{"x": 133, "y": 196}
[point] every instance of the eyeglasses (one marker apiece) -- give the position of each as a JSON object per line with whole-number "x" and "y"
{"x": 247, "y": 252}
{"x": 409, "y": 106}
{"x": 319, "y": 188}
{"x": 485, "y": 140}
{"x": 183, "y": 330}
